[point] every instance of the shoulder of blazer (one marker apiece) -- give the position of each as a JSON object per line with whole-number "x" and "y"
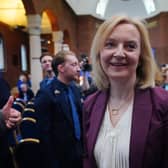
{"x": 160, "y": 94}
{"x": 91, "y": 100}
{"x": 159, "y": 98}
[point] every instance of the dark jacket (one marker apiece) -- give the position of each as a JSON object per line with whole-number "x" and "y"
{"x": 4, "y": 92}
{"x": 5, "y": 155}
{"x": 149, "y": 133}
{"x": 45, "y": 82}
{"x": 58, "y": 143}
{"x": 29, "y": 95}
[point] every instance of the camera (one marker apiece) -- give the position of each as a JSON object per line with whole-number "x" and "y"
{"x": 85, "y": 66}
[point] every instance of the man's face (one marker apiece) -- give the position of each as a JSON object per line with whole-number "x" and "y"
{"x": 46, "y": 63}
{"x": 71, "y": 68}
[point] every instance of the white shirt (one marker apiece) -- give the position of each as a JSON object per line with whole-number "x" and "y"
{"x": 112, "y": 146}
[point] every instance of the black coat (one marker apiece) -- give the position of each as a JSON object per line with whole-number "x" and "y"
{"x": 5, "y": 155}
{"x": 59, "y": 147}
{"x": 29, "y": 95}
{"x": 4, "y": 92}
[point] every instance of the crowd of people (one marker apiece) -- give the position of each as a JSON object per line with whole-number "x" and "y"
{"x": 118, "y": 119}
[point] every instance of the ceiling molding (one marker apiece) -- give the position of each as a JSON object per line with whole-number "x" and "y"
{"x": 152, "y": 24}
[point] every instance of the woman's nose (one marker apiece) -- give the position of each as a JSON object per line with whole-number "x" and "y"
{"x": 119, "y": 52}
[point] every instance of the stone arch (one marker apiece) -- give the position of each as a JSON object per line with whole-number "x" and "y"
{"x": 66, "y": 38}
{"x": 66, "y": 41}
{"x": 53, "y": 20}
{"x": 29, "y": 6}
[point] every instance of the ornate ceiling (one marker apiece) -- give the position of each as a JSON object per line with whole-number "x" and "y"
{"x": 12, "y": 12}
{"x": 130, "y": 7}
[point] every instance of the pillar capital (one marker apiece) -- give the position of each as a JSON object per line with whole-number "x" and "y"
{"x": 34, "y": 24}
{"x": 34, "y": 29}
{"x": 57, "y": 36}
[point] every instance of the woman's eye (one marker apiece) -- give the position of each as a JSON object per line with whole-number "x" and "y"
{"x": 131, "y": 46}
{"x": 109, "y": 44}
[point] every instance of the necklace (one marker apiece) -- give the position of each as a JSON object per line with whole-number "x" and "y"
{"x": 115, "y": 111}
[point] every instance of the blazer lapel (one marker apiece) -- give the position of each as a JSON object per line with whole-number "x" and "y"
{"x": 142, "y": 112}
{"x": 96, "y": 119}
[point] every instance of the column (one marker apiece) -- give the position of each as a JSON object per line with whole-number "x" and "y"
{"x": 34, "y": 29}
{"x": 65, "y": 47}
{"x": 57, "y": 37}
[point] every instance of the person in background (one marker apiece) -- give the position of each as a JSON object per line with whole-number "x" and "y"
{"x": 86, "y": 83}
{"x": 58, "y": 108}
{"x": 25, "y": 93}
{"x": 159, "y": 78}
{"x": 23, "y": 78}
{"x": 165, "y": 76}
{"x": 125, "y": 122}
{"x": 9, "y": 118}
{"x": 4, "y": 92}
{"x": 29, "y": 80}
{"x": 46, "y": 60}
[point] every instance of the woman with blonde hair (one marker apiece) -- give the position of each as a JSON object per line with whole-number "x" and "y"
{"x": 126, "y": 121}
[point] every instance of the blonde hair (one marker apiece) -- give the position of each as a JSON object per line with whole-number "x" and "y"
{"x": 146, "y": 68}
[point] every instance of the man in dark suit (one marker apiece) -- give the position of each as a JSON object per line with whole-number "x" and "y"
{"x": 59, "y": 124}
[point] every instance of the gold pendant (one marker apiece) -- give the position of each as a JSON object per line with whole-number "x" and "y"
{"x": 114, "y": 111}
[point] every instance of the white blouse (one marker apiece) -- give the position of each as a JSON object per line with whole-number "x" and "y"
{"x": 112, "y": 145}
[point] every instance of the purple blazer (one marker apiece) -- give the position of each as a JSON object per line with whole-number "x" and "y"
{"x": 149, "y": 132}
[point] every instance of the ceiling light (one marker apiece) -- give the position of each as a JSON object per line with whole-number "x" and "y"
{"x": 149, "y": 6}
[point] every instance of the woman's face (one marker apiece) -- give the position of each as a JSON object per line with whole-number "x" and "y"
{"x": 120, "y": 54}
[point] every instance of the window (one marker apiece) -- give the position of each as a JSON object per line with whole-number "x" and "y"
{"x": 2, "y": 57}
{"x": 24, "y": 66}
